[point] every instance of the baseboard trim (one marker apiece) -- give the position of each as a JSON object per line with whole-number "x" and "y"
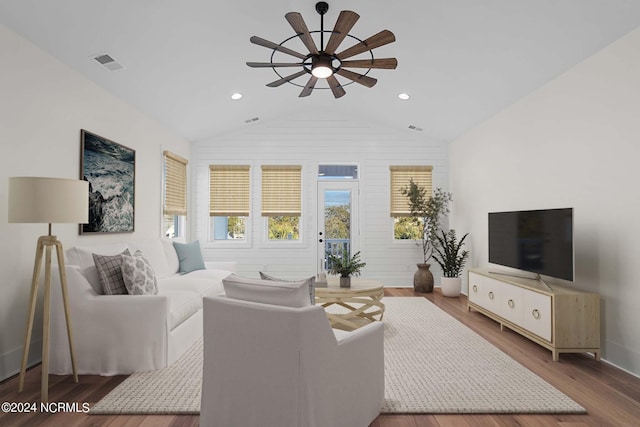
{"x": 10, "y": 361}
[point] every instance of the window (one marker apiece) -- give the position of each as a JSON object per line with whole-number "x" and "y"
{"x": 404, "y": 227}
{"x": 174, "y": 209}
{"x": 337, "y": 172}
{"x": 229, "y": 201}
{"x": 283, "y": 227}
{"x": 281, "y": 201}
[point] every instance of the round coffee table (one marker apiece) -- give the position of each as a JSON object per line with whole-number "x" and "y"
{"x": 351, "y": 308}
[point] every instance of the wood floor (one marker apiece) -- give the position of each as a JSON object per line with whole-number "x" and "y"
{"x": 611, "y": 396}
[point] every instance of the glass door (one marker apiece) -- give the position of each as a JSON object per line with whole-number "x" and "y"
{"x": 338, "y": 228}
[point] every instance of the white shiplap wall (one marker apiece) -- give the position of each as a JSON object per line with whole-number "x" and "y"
{"x": 310, "y": 139}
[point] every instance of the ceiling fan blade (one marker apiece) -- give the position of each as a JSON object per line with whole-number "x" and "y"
{"x": 309, "y": 87}
{"x": 382, "y": 38}
{"x": 271, "y": 45}
{"x": 299, "y": 26}
{"x": 274, "y": 64}
{"x": 287, "y": 79}
{"x": 358, "y": 78}
{"x": 344, "y": 24}
{"x": 386, "y": 63}
{"x": 335, "y": 86}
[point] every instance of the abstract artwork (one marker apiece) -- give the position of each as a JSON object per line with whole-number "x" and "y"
{"x": 110, "y": 169}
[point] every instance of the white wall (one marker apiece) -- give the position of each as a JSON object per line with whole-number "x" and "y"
{"x": 572, "y": 143}
{"x": 43, "y": 106}
{"x": 309, "y": 139}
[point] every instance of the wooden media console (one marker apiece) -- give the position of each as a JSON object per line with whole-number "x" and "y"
{"x": 561, "y": 319}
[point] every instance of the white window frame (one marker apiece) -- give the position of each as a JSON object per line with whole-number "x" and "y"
{"x": 404, "y": 243}
{"x": 182, "y": 219}
{"x": 267, "y": 243}
{"x": 245, "y": 243}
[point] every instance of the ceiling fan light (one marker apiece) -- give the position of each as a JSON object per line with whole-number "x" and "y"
{"x": 321, "y": 66}
{"x": 322, "y": 72}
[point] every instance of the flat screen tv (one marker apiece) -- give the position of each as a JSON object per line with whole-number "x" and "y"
{"x": 537, "y": 241}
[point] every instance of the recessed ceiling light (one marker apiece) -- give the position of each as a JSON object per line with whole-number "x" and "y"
{"x": 236, "y": 96}
{"x": 404, "y": 96}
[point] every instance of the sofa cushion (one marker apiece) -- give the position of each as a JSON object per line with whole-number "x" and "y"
{"x": 208, "y": 273}
{"x": 189, "y": 256}
{"x": 153, "y": 251}
{"x": 310, "y": 282}
{"x": 110, "y": 272}
{"x": 173, "y": 264}
{"x": 139, "y": 277}
{"x": 203, "y": 287}
{"x": 92, "y": 276}
{"x": 290, "y": 294}
{"x": 182, "y": 305}
{"x": 83, "y": 255}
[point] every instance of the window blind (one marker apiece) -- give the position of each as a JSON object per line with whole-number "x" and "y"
{"x": 400, "y": 177}
{"x": 229, "y": 191}
{"x": 175, "y": 184}
{"x": 281, "y": 190}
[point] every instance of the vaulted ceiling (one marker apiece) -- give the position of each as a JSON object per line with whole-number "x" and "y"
{"x": 461, "y": 61}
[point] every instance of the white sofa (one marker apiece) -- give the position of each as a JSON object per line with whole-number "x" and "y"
{"x": 122, "y": 334}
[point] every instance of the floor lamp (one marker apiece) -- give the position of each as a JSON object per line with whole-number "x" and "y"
{"x": 47, "y": 200}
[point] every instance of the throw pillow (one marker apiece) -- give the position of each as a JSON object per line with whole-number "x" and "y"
{"x": 138, "y": 275}
{"x": 310, "y": 282}
{"x": 189, "y": 256}
{"x": 110, "y": 273}
{"x": 290, "y": 294}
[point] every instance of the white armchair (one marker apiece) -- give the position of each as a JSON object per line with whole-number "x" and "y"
{"x": 276, "y": 366}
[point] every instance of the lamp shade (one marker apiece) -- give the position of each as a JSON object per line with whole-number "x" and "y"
{"x": 48, "y": 200}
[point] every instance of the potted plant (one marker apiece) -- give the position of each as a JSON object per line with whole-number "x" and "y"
{"x": 345, "y": 266}
{"x": 426, "y": 211}
{"x": 451, "y": 257}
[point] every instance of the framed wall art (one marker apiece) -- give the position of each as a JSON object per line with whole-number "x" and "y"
{"x": 110, "y": 169}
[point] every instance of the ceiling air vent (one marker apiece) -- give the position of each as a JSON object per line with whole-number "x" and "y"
{"x": 108, "y": 62}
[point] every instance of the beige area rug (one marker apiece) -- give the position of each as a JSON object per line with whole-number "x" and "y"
{"x": 433, "y": 364}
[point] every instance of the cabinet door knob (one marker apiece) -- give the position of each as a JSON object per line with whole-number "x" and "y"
{"x": 535, "y": 313}
{"x": 490, "y": 295}
{"x": 511, "y": 303}
{"x": 475, "y": 288}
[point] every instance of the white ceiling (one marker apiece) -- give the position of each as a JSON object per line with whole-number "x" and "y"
{"x": 462, "y": 61}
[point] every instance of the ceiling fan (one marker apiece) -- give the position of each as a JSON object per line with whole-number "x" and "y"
{"x": 325, "y": 63}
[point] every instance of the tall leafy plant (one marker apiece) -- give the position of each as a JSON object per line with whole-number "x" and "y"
{"x": 449, "y": 254}
{"x": 426, "y": 211}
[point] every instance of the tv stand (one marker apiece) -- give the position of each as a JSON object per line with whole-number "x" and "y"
{"x": 561, "y": 319}
{"x": 536, "y": 277}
